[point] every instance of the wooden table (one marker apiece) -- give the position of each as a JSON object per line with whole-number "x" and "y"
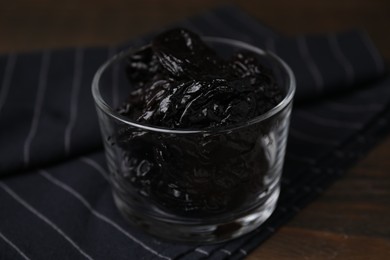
{"x": 352, "y": 218}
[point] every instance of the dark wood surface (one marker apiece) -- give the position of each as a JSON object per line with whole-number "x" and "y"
{"x": 351, "y": 220}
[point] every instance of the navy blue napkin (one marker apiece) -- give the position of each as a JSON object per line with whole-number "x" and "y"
{"x": 55, "y": 200}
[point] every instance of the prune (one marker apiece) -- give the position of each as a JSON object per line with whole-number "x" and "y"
{"x": 184, "y": 55}
{"x": 185, "y": 84}
{"x": 142, "y": 65}
{"x": 181, "y": 83}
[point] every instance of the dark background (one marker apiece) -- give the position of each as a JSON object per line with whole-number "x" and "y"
{"x": 352, "y": 219}
{"x": 47, "y": 23}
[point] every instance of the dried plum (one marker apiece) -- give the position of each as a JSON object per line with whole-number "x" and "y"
{"x": 181, "y": 83}
{"x": 185, "y": 84}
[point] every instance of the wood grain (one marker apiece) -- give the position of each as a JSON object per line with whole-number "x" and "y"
{"x": 352, "y": 218}
{"x": 350, "y": 221}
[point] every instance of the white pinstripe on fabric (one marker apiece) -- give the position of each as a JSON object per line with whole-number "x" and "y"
{"x": 43, "y": 218}
{"x": 100, "y": 216}
{"x": 305, "y": 54}
{"x": 96, "y": 166}
{"x": 225, "y": 251}
{"x": 242, "y": 251}
{"x": 373, "y": 52}
{"x": 37, "y": 106}
{"x": 340, "y": 57}
{"x": 271, "y": 229}
{"x": 17, "y": 249}
{"x": 77, "y": 75}
{"x": 114, "y": 75}
{"x": 6, "y": 83}
{"x": 270, "y": 44}
{"x": 199, "y": 250}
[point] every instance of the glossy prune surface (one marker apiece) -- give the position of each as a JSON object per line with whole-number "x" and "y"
{"x": 181, "y": 83}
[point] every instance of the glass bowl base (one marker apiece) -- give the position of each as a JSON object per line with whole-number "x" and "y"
{"x": 203, "y": 232}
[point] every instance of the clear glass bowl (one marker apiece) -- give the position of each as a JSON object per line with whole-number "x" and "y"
{"x": 194, "y": 185}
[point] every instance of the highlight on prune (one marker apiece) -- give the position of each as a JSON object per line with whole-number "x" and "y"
{"x": 180, "y": 82}
{"x": 183, "y": 83}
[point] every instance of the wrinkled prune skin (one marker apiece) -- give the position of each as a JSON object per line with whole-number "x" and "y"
{"x": 181, "y": 83}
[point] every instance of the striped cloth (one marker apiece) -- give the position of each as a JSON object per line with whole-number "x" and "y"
{"x": 55, "y": 200}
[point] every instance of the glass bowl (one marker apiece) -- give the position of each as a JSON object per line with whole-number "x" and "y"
{"x": 194, "y": 185}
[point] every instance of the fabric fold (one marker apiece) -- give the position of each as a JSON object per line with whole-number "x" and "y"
{"x": 330, "y": 64}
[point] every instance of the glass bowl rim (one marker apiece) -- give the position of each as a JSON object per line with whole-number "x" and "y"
{"x": 237, "y": 43}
